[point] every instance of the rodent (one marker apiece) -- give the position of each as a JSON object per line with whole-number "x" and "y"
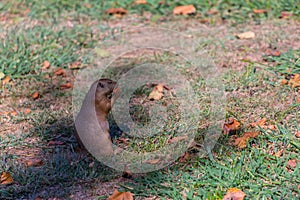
{"x": 104, "y": 93}
{"x": 104, "y": 100}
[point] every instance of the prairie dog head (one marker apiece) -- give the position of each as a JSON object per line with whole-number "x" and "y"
{"x": 103, "y": 95}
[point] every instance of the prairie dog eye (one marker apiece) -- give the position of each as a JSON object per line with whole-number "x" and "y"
{"x": 109, "y": 96}
{"x": 101, "y": 84}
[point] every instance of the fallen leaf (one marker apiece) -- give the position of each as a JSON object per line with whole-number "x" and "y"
{"x": 116, "y": 11}
{"x": 153, "y": 162}
{"x": 66, "y": 86}
{"x": 291, "y": 164}
{"x": 6, "y": 178}
{"x": 140, "y": 2}
{"x": 246, "y": 35}
{"x": 285, "y": 14}
{"x": 295, "y": 81}
{"x": 259, "y": 11}
{"x": 231, "y": 126}
{"x": 34, "y": 162}
{"x": 121, "y": 196}
{"x": 54, "y": 143}
{"x": 298, "y": 100}
{"x": 46, "y": 64}
{"x": 241, "y": 142}
{"x": 212, "y": 12}
{"x": 260, "y": 123}
{"x": 184, "y": 10}
{"x": 297, "y": 134}
{"x": 157, "y": 92}
{"x": 60, "y": 72}
{"x": 177, "y": 139}
{"x": 35, "y": 95}
{"x": 13, "y": 113}
{"x": 6, "y": 80}
{"x": 122, "y": 140}
{"x": 75, "y": 65}
{"x": 234, "y": 194}
{"x": 284, "y": 82}
{"x": 27, "y": 111}
{"x": 278, "y": 153}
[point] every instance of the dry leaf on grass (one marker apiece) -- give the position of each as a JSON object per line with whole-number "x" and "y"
{"x": 35, "y": 95}
{"x": 6, "y": 178}
{"x": 46, "y": 64}
{"x": 66, "y": 86}
{"x": 292, "y": 164}
{"x": 261, "y": 122}
{"x": 140, "y": 2}
{"x": 212, "y": 12}
{"x": 6, "y": 80}
{"x": 60, "y": 72}
{"x": 284, "y": 82}
{"x": 234, "y": 194}
{"x": 231, "y": 126}
{"x": 157, "y": 92}
{"x": 278, "y": 153}
{"x": 259, "y": 11}
{"x": 241, "y": 142}
{"x": 121, "y": 196}
{"x": 27, "y": 111}
{"x": 116, "y": 11}
{"x": 246, "y": 35}
{"x": 295, "y": 81}
{"x": 34, "y": 162}
{"x": 297, "y": 134}
{"x": 184, "y": 10}
{"x": 75, "y": 65}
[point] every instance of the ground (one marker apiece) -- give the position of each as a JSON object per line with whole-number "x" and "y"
{"x": 37, "y": 142}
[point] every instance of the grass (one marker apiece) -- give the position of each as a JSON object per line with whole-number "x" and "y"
{"x": 254, "y": 92}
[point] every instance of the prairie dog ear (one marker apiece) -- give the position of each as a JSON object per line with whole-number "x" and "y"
{"x": 100, "y": 84}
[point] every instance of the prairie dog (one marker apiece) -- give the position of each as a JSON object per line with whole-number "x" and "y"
{"x": 103, "y": 93}
{"x": 104, "y": 99}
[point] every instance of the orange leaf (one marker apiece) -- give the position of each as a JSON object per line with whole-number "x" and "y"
{"x": 46, "y": 64}
{"x": 231, "y": 126}
{"x": 121, "y": 196}
{"x": 295, "y": 81}
{"x": 212, "y": 12}
{"x": 241, "y": 142}
{"x": 259, "y": 11}
{"x": 35, "y": 95}
{"x": 262, "y": 122}
{"x": 234, "y": 194}
{"x": 116, "y": 11}
{"x": 283, "y": 82}
{"x": 6, "y": 178}
{"x": 75, "y": 65}
{"x": 60, "y": 72}
{"x": 6, "y": 80}
{"x": 27, "y": 111}
{"x": 292, "y": 163}
{"x": 157, "y": 92}
{"x": 184, "y": 10}
{"x": 285, "y": 14}
{"x": 278, "y": 153}
{"x": 297, "y": 134}
{"x": 34, "y": 162}
{"x": 66, "y": 86}
{"x": 140, "y": 2}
